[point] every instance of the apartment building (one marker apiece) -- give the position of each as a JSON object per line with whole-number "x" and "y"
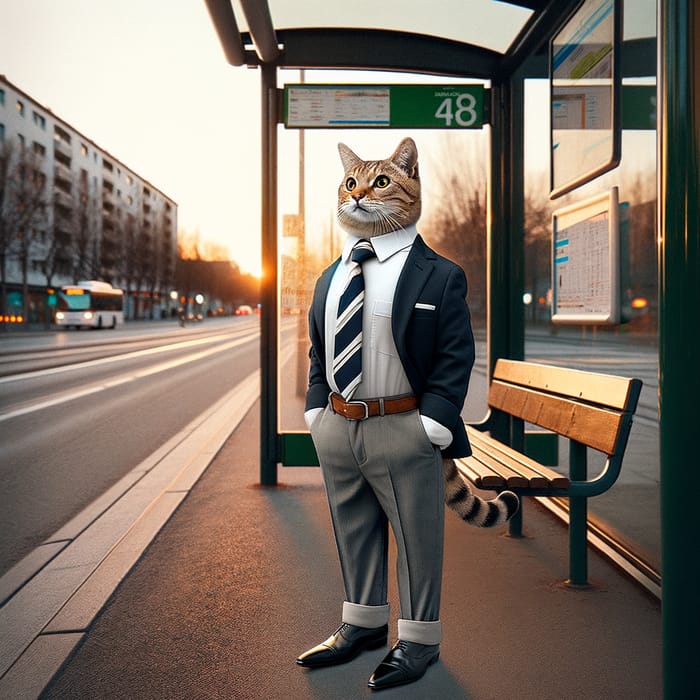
{"x": 69, "y": 210}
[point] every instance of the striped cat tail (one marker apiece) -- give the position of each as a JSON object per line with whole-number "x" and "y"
{"x": 470, "y": 507}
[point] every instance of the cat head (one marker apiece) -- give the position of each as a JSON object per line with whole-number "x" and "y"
{"x": 378, "y": 196}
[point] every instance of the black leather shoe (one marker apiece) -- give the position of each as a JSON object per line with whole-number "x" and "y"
{"x": 344, "y": 645}
{"x": 405, "y": 663}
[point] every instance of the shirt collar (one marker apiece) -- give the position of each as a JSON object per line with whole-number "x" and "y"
{"x": 385, "y": 245}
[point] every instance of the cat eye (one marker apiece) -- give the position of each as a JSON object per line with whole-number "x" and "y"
{"x": 381, "y": 182}
{"x": 350, "y": 184}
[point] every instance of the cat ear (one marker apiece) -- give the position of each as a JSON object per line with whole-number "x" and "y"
{"x": 347, "y": 157}
{"x": 406, "y": 157}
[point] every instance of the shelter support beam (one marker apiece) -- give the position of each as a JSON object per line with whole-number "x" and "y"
{"x": 505, "y": 224}
{"x": 678, "y": 99}
{"x": 225, "y": 24}
{"x": 269, "y": 351}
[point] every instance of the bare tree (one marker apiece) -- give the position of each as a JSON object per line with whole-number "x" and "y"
{"x": 456, "y": 226}
{"x": 129, "y": 257}
{"x": 7, "y": 216}
{"x": 83, "y": 242}
{"x": 23, "y": 209}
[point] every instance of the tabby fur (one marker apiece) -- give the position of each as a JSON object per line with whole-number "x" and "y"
{"x": 380, "y": 196}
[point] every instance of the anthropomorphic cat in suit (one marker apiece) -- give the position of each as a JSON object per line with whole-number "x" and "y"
{"x": 383, "y": 406}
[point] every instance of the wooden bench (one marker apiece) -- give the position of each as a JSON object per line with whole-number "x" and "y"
{"x": 591, "y": 410}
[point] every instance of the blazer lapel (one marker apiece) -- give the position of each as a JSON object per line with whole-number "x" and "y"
{"x": 319, "y": 306}
{"x": 416, "y": 270}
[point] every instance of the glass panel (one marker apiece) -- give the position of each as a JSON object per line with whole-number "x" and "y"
{"x": 492, "y": 25}
{"x": 453, "y": 169}
{"x": 631, "y": 509}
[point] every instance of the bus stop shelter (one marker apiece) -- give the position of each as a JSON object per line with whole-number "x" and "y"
{"x": 504, "y": 44}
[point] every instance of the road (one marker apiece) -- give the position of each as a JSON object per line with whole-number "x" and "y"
{"x": 78, "y": 410}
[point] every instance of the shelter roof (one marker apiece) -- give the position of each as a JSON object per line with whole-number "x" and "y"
{"x": 484, "y": 39}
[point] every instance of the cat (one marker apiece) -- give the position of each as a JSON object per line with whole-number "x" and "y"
{"x": 380, "y": 196}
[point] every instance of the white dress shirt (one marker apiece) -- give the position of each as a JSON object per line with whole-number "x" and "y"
{"x": 382, "y": 372}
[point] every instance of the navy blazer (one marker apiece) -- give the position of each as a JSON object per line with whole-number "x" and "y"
{"x": 436, "y": 347}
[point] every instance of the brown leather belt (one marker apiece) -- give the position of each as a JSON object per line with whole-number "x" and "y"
{"x": 359, "y": 410}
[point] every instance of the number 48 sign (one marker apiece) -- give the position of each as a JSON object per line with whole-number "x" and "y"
{"x": 437, "y": 107}
{"x": 460, "y": 109}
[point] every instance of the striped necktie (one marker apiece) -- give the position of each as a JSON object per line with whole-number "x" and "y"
{"x": 347, "y": 356}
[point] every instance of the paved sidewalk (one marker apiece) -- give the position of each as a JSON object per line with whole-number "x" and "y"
{"x": 243, "y": 578}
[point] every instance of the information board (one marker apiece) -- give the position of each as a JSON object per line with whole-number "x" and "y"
{"x": 309, "y": 106}
{"x": 585, "y": 95}
{"x": 585, "y": 257}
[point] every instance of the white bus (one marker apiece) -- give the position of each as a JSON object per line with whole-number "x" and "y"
{"x": 92, "y": 304}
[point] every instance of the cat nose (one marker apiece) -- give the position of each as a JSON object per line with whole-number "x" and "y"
{"x": 357, "y": 196}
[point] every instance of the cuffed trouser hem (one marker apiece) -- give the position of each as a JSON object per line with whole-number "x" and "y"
{"x": 365, "y": 615}
{"x": 420, "y": 632}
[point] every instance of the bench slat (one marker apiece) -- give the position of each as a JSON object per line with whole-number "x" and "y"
{"x": 511, "y": 479}
{"x": 480, "y": 475}
{"x": 596, "y": 427}
{"x": 602, "y": 389}
{"x": 538, "y": 475}
{"x": 533, "y": 478}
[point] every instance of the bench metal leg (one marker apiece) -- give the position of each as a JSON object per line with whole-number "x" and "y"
{"x": 515, "y": 524}
{"x": 578, "y": 518}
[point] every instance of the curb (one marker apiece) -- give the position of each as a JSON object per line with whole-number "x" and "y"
{"x": 51, "y": 597}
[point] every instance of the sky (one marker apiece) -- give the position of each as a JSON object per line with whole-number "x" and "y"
{"x": 148, "y": 82}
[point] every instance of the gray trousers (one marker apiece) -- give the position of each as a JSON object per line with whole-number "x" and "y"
{"x": 379, "y": 471}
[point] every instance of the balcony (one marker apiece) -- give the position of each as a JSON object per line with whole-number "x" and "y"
{"x": 63, "y": 148}
{"x": 107, "y": 223}
{"x": 62, "y": 200}
{"x": 110, "y": 247}
{"x": 63, "y": 238}
{"x": 62, "y": 173}
{"x": 63, "y": 220}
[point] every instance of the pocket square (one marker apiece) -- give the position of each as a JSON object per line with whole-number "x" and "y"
{"x": 427, "y": 307}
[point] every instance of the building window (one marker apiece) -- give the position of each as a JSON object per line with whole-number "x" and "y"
{"x": 39, "y": 149}
{"x": 83, "y": 149}
{"x": 20, "y": 138}
{"x": 2, "y": 96}
{"x": 39, "y": 120}
{"x": 2, "y": 133}
{"x": 20, "y": 107}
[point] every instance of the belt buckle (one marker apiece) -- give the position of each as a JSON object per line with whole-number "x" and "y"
{"x": 364, "y": 404}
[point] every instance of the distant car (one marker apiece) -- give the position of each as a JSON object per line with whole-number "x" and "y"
{"x": 244, "y": 310}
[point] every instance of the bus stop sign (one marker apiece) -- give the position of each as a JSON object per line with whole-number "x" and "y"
{"x": 384, "y": 106}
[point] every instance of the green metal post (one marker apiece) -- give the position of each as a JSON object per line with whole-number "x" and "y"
{"x": 504, "y": 230}
{"x": 505, "y": 255}
{"x": 678, "y": 99}
{"x": 578, "y": 518}
{"x": 269, "y": 440}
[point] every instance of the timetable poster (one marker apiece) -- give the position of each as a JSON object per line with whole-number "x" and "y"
{"x": 585, "y": 274}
